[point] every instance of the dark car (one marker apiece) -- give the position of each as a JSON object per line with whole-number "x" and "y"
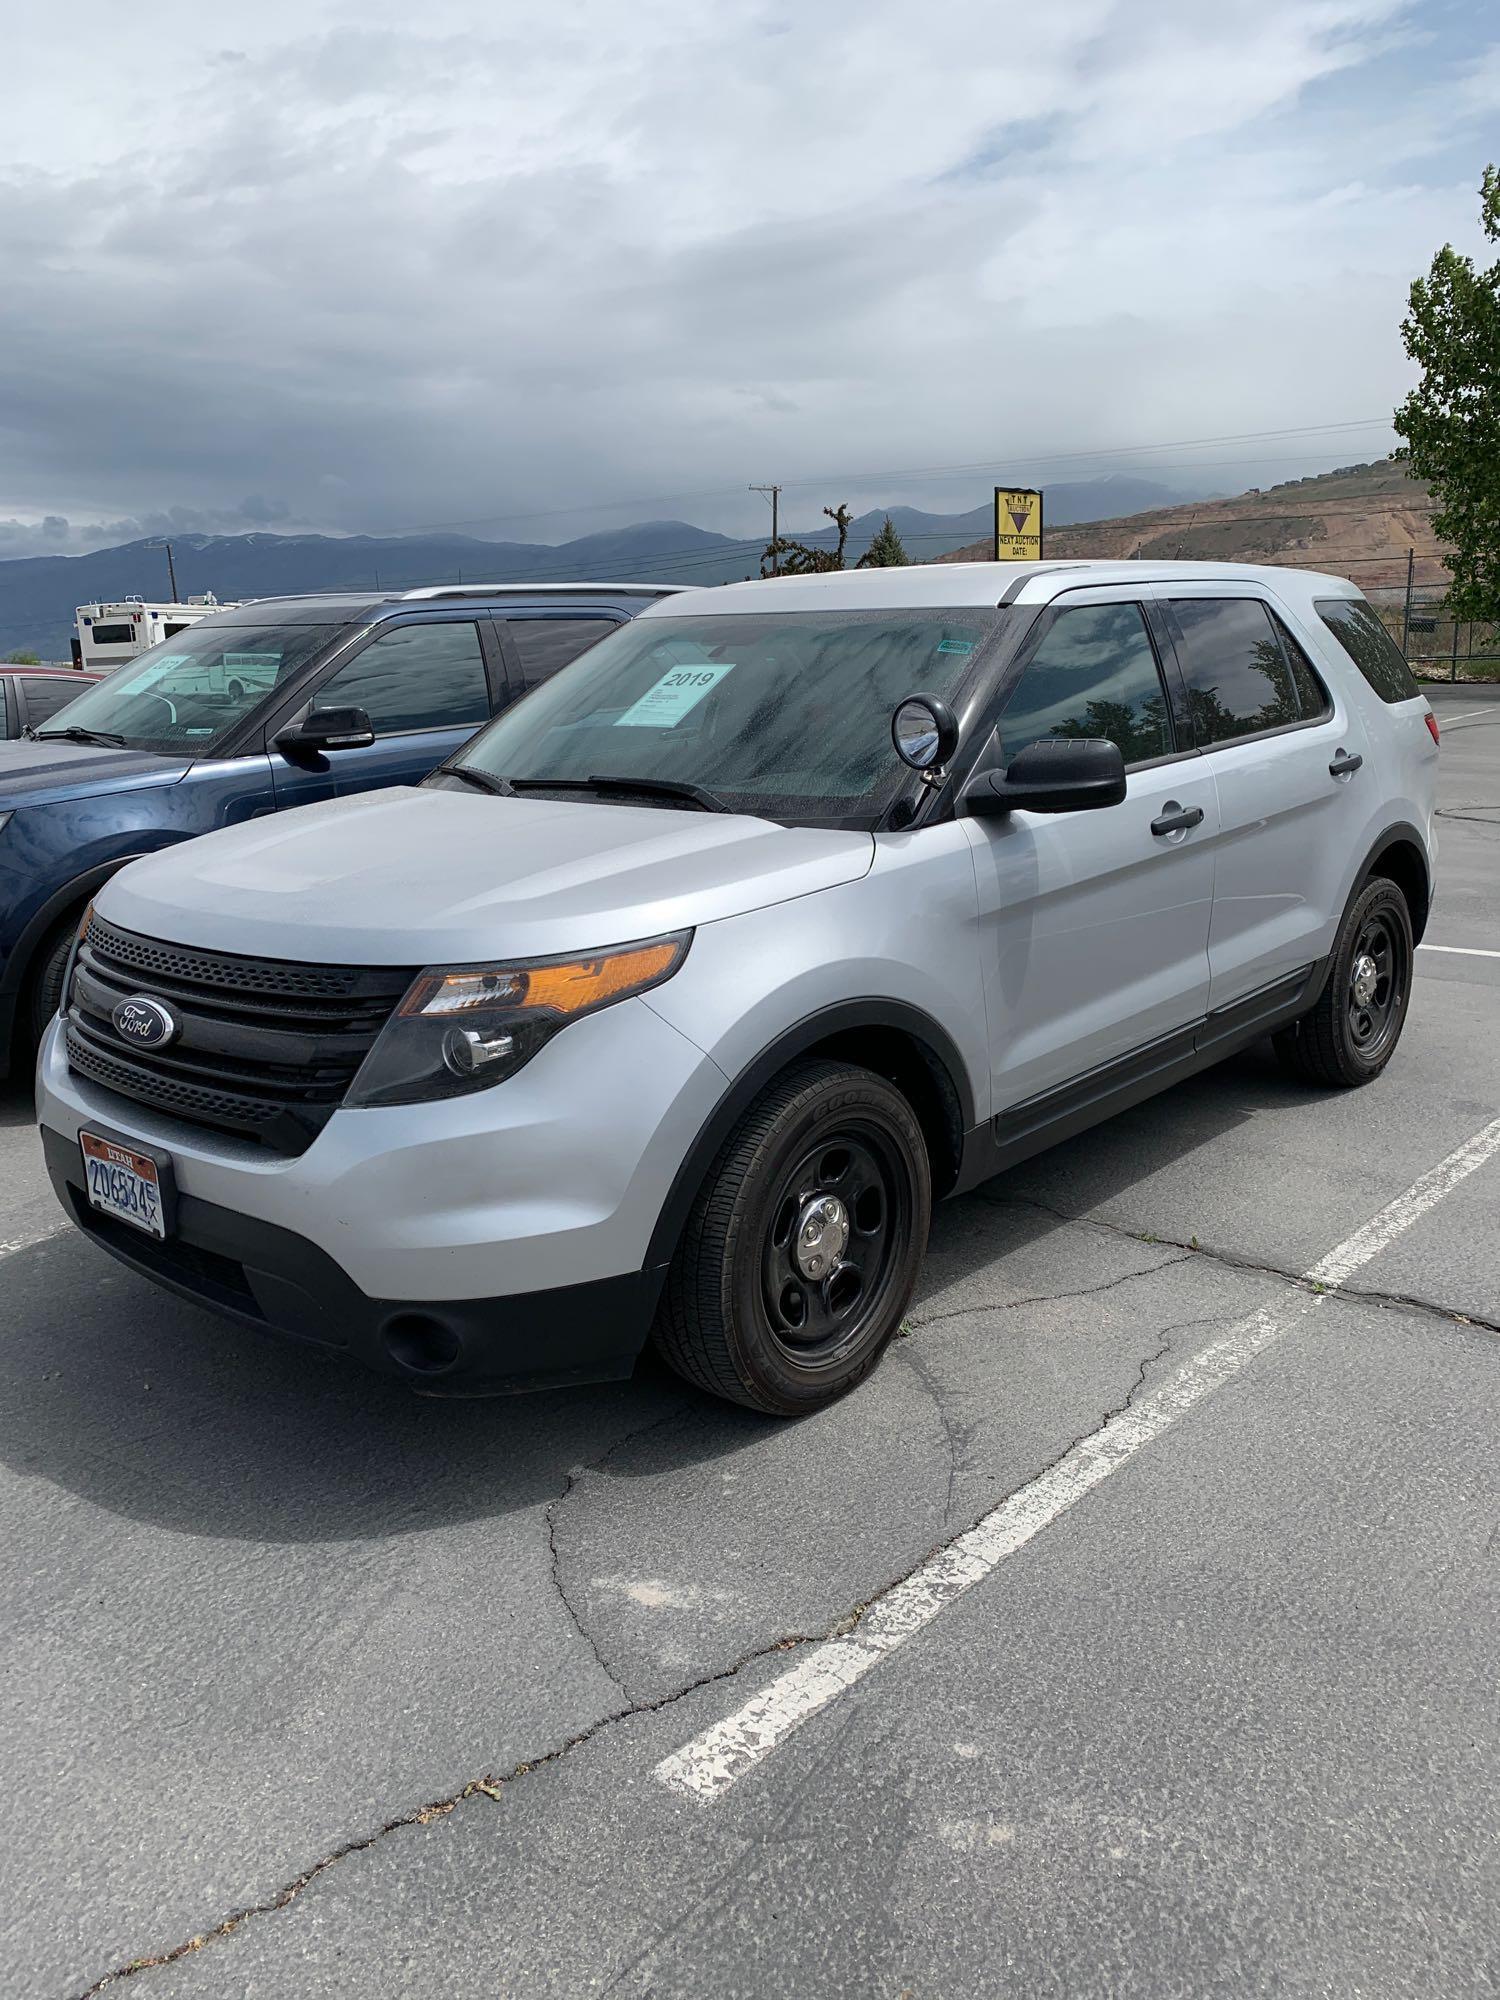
{"x": 30, "y": 695}
{"x": 271, "y": 704}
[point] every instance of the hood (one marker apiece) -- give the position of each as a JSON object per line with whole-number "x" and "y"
{"x": 419, "y": 877}
{"x": 34, "y": 774}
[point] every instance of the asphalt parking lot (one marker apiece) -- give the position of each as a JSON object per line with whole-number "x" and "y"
{"x": 310, "y": 1687}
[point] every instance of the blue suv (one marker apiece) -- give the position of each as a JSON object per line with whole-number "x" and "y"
{"x": 276, "y": 703}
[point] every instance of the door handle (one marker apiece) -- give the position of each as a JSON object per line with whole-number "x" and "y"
{"x": 1343, "y": 764}
{"x": 1174, "y": 818}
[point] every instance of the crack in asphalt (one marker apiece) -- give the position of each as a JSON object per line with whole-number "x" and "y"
{"x": 958, "y": 1436}
{"x": 569, "y": 1483}
{"x": 912, "y": 1325}
{"x": 554, "y": 1507}
{"x": 493, "y": 1785}
{"x": 1234, "y": 1260}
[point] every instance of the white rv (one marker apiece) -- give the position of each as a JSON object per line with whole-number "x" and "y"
{"x": 107, "y": 635}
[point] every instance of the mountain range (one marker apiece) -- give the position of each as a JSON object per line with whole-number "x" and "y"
{"x": 38, "y": 594}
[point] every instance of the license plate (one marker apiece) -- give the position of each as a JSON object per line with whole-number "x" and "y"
{"x": 123, "y": 1183}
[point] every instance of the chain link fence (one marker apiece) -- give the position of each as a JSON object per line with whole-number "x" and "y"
{"x": 1439, "y": 646}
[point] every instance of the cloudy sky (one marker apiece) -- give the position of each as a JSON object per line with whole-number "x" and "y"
{"x": 531, "y": 270}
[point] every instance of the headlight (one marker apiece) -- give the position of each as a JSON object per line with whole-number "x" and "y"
{"x": 464, "y": 1028}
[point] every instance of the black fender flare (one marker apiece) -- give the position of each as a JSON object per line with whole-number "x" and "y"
{"x": 935, "y": 1044}
{"x": 1401, "y": 834}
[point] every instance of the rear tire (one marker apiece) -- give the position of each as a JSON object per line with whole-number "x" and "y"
{"x": 802, "y": 1248}
{"x": 1351, "y": 1034}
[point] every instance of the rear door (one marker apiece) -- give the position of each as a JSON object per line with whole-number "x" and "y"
{"x": 1094, "y": 925}
{"x": 539, "y": 643}
{"x": 1285, "y": 756}
{"x": 426, "y": 684}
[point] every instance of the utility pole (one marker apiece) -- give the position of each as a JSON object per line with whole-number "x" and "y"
{"x": 775, "y": 497}
{"x": 171, "y": 571}
{"x": 1411, "y": 563}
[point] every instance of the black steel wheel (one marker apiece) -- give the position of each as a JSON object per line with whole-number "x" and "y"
{"x": 803, "y": 1246}
{"x": 1351, "y": 1034}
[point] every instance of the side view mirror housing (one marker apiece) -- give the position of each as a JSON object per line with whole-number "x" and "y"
{"x": 1059, "y": 774}
{"x": 324, "y": 729}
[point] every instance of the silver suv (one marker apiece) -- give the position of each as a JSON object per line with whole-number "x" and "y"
{"x": 666, "y": 1007}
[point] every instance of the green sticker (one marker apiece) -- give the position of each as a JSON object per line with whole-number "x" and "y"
{"x": 955, "y": 645}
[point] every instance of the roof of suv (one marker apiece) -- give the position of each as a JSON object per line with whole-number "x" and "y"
{"x": 945, "y": 585}
{"x": 342, "y": 607}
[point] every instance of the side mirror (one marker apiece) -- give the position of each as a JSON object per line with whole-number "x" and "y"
{"x": 1059, "y": 774}
{"x": 925, "y": 733}
{"x": 325, "y": 729}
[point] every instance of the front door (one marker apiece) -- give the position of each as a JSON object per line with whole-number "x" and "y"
{"x": 425, "y": 689}
{"x": 1094, "y": 925}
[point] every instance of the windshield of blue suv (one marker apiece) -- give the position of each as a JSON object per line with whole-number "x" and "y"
{"x": 787, "y": 716}
{"x": 188, "y": 692}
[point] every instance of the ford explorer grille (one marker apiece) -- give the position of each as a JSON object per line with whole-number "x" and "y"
{"x": 264, "y": 1048}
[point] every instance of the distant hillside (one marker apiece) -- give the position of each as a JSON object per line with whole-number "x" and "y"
{"x": 1357, "y": 522}
{"x": 38, "y": 594}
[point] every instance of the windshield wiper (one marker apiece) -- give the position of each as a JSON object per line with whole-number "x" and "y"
{"x": 483, "y": 779}
{"x": 648, "y": 788}
{"x": 74, "y": 734}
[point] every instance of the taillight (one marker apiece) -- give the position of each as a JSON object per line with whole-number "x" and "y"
{"x": 1432, "y": 728}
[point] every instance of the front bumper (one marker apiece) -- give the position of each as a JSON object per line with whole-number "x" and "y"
{"x": 274, "y": 1279}
{"x": 483, "y": 1243}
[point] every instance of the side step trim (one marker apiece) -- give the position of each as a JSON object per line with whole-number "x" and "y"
{"x": 1069, "y": 1108}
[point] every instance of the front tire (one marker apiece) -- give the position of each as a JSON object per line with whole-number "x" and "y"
{"x": 802, "y": 1248}
{"x": 1351, "y": 1034}
{"x": 44, "y": 995}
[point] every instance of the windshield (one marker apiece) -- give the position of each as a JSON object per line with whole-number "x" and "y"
{"x": 189, "y": 691}
{"x": 786, "y": 716}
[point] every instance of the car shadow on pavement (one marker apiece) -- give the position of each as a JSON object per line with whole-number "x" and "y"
{"x": 159, "y": 1411}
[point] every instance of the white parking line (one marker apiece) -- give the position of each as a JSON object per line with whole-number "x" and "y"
{"x": 1460, "y": 950}
{"x": 39, "y": 1236}
{"x": 705, "y": 1769}
{"x": 1445, "y": 720}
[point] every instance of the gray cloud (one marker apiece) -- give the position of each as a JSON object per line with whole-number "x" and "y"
{"x": 394, "y": 275}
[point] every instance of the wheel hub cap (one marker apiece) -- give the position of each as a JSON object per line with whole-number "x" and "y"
{"x": 1365, "y": 980}
{"x": 822, "y": 1236}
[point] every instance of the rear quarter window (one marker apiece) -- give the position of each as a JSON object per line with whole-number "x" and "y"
{"x": 1357, "y": 627}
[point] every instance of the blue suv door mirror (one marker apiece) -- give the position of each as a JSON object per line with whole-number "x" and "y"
{"x": 325, "y": 729}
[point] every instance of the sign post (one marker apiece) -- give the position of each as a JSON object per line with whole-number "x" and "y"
{"x": 1018, "y": 524}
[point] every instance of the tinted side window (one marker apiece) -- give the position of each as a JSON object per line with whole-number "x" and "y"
{"x": 5, "y": 728}
{"x": 1238, "y": 681}
{"x": 545, "y": 644}
{"x": 1094, "y": 674}
{"x": 1358, "y": 629}
{"x": 1312, "y": 696}
{"x": 417, "y": 677}
{"x": 45, "y": 697}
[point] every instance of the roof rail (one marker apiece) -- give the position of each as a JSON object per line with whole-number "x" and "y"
{"x": 432, "y": 590}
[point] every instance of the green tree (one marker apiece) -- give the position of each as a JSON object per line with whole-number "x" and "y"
{"x": 1451, "y": 420}
{"x": 885, "y": 551}
{"x": 23, "y": 659}
{"x": 786, "y": 558}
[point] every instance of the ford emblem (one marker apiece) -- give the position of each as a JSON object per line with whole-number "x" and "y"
{"x": 145, "y": 1022}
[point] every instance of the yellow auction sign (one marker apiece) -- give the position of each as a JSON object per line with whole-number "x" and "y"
{"x": 1018, "y": 524}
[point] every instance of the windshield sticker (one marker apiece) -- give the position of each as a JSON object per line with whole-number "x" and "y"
{"x": 955, "y": 645}
{"x": 677, "y": 692}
